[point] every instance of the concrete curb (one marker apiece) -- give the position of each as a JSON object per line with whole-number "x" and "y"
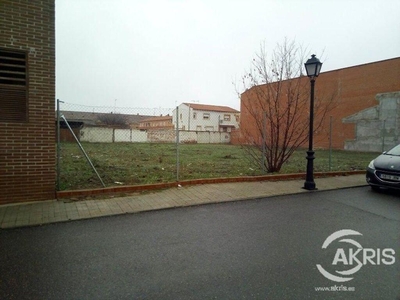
{"x": 47, "y": 212}
{"x": 160, "y": 186}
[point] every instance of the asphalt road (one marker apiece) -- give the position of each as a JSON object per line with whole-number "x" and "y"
{"x": 257, "y": 249}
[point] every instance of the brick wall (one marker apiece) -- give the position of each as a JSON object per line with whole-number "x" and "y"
{"x": 27, "y": 156}
{"x": 356, "y": 88}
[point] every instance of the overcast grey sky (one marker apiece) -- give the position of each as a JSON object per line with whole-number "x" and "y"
{"x": 160, "y": 53}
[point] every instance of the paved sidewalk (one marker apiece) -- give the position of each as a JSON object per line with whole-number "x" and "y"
{"x": 39, "y": 213}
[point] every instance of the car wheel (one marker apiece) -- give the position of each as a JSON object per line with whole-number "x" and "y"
{"x": 375, "y": 188}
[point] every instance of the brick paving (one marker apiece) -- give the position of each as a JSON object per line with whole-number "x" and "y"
{"x": 45, "y": 212}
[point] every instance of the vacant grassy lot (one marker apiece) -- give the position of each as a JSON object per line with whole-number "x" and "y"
{"x": 143, "y": 163}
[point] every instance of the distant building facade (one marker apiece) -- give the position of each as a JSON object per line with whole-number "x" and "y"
{"x": 101, "y": 127}
{"x": 204, "y": 117}
{"x": 104, "y": 119}
{"x": 153, "y": 123}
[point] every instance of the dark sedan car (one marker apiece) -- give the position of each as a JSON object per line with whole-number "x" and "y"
{"x": 384, "y": 171}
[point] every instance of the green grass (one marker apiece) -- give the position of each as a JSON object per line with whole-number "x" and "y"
{"x": 144, "y": 163}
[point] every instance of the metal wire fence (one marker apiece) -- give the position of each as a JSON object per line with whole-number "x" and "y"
{"x": 107, "y": 146}
{"x": 111, "y": 146}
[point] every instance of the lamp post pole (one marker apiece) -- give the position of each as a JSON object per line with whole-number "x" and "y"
{"x": 313, "y": 67}
{"x": 310, "y": 184}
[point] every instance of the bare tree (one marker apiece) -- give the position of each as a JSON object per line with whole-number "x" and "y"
{"x": 275, "y": 105}
{"x": 113, "y": 119}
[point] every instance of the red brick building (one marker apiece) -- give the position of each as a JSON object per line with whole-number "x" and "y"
{"x": 355, "y": 87}
{"x": 27, "y": 92}
{"x": 161, "y": 122}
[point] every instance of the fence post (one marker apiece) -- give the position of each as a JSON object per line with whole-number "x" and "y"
{"x": 177, "y": 143}
{"x": 58, "y": 146}
{"x": 83, "y": 150}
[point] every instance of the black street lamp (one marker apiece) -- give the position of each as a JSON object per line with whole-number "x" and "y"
{"x": 313, "y": 66}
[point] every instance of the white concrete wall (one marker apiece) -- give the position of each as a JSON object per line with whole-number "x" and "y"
{"x": 188, "y": 137}
{"x": 96, "y": 135}
{"x": 130, "y": 135}
{"x": 161, "y": 136}
{"x": 122, "y": 135}
{"x": 110, "y": 135}
{"x": 205, "y": 137}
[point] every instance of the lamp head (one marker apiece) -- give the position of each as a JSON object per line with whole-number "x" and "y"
{"x": 313, "y": 66}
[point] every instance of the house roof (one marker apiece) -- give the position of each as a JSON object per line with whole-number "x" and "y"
{"x": 90, "y": 118}
{"x": 161, "y": 118}
{"x": 207, "y": 107}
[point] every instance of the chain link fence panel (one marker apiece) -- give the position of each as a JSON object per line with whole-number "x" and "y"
{"x": 111, "y": 146}
{"x": 129, "y": 146}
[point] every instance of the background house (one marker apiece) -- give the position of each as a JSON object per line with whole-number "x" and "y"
{"x": 27, "y": 93}
{"x": 203, "y": 117}
{"x": 96, "y": 123}
{"x": 153, "y": 123}
{"x": 105, "y": 119}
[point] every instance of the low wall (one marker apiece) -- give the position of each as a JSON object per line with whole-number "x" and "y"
{"x": 129, "y": 135}
{"x": 113, "y": 135}
{"x": 97, "y": 135}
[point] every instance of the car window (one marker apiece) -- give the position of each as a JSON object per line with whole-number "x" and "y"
{"x": 394, "y": 151}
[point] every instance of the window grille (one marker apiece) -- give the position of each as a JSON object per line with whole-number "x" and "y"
{"x": 13, "y": 85}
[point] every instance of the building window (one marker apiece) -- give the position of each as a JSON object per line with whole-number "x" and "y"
{"x": 227, "y": 117}
{"x": 198, "y": 127}
{"x": 194, "y": 115}
{"x": 13, "y": 85}
{"x": 206, "y": 116}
